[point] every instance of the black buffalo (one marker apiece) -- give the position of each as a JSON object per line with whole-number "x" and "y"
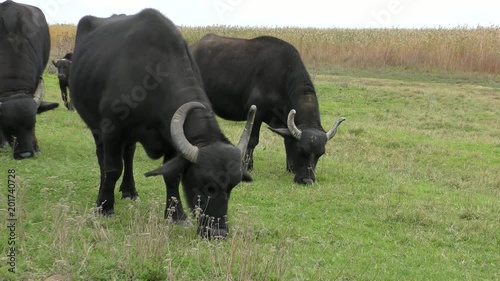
{"x": 269, "y": 73}
{"x": 133, "y": 79}
{"x": 24, "y": 53}
{"x": 63, "y": 67}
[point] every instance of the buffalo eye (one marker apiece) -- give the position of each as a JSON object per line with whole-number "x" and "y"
{"x": 211, "y": 190}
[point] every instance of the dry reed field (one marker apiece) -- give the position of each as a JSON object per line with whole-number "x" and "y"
{"x": 458, "y": 49}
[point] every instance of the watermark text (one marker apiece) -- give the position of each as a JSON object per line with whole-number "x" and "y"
{"x": 11, "y": 220}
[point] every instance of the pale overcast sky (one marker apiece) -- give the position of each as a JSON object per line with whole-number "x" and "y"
{"x": 273, "y": 13}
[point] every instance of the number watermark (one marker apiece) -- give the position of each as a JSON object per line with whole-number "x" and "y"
{"x": 11, "y": 219}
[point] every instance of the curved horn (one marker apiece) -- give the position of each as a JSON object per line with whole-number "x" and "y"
{"x": 333, "y": 130}
{"x": 296, "y": 133}
{"x": 38, "y": 96}
{"x": 245, "y": 136}
{"x": 188, "y": 151}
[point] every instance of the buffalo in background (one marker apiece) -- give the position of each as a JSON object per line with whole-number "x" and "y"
{"x": 63, "y": 69}
{"x": 133, "y": 79}
{"x": 24, "y": 53}
{"x": 269, "y": 73}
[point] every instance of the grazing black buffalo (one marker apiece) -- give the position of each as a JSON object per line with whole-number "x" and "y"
{"x": 133, "y": 79}
{"x": 63, "y": 67}
{"x": 24, "y": 53}
{"x": 269, "y": 73}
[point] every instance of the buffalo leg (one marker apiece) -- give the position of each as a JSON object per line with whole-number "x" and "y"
{"x": 128, "y": 183}
{"x": 64, "y": 95}
{"x": 252, "y": 143}
{"x": 65, "y": 100}
{"x": 173, "y": 208}
{"x": 71, "y": 106}
{"x": 3, "y": 140}
{"x": 35, "y": 143}
{"x": 113, "y": 166}
{"x": 99, "y": 151}
{"x": 288, "y": 165}
{"x": 70, "y": 102}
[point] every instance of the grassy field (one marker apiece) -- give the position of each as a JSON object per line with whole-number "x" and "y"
{"x": 409, "y": 190}
{"x": 456, "y": 49}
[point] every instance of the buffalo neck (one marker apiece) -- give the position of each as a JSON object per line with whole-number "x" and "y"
{"x": 201, "y": 128}
{"x": 302, "y": 97}
{"x": 307, "y": 107}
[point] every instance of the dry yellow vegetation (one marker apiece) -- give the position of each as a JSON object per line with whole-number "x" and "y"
{"x": 62, "y": 39}
{"x": 457, "y": 49}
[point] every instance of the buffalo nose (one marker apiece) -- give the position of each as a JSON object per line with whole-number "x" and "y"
{"x": 23, "y": 155}
{"x": 26, "y": 154}
{"x": 307, "y": 181}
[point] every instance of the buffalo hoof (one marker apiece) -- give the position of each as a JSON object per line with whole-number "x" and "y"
{"x": 132, "y": 195}
{"x": 212, "y": 234}
{"x": 104, "y": 210}
{"x": 175, "y": 215}
{"x": 246, "y": 176}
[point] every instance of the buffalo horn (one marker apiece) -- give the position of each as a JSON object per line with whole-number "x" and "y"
{"x": 38, "y": 96}
{"x": 245, "y": 137}
{"x": 188, "y": 151}
{"x": 333, "y": 130}
{"x": 296, "y": 133}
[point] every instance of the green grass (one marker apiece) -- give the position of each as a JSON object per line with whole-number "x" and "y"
{"x": 409, "y": 190}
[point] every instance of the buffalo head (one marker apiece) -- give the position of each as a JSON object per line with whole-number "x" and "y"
{"x": 304, "y": 147}
{"x": 63, "y": 66}
{"x": 209, "y": 172}
{"x": 18, "y": 118}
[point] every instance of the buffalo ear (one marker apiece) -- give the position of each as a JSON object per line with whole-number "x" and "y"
{"x": 46, "y": 106}
{"x": 284, "y": 132}
{"x": 173, "y": 167}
